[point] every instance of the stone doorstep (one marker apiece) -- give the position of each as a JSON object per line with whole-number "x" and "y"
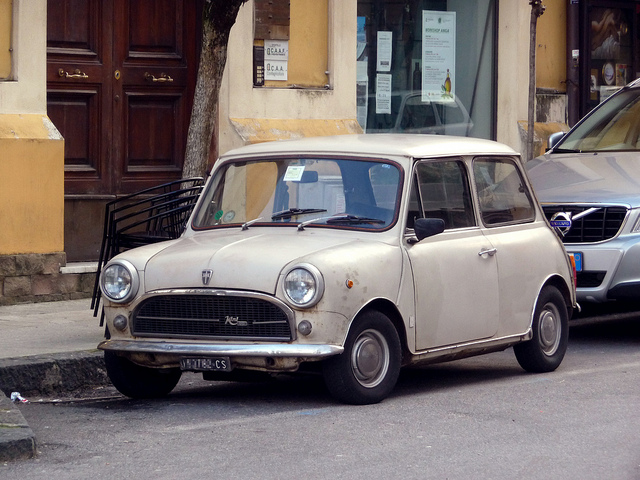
{"x": 72, "y": 281}
{"x": 79, "y": 267}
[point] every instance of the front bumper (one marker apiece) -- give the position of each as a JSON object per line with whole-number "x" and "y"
{"x": 252, "y": 350}
{"x": 264, "y": 357}
{"x": 615, "y": 265}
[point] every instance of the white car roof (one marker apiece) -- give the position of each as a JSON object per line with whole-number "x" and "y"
{"x": 399, "y": 145}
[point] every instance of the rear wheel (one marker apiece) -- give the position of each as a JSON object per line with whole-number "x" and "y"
{"x": 136, "y": 381}
{"x": 545, "y": 351}
{"x": 368, "y": 369}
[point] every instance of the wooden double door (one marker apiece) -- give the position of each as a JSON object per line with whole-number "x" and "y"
{"x": 120, "y": 81}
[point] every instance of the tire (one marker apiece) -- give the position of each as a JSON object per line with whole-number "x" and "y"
{"x": 136, "y": 381}
{"x": 545, "y": 351}
{"x": 368, "y": 369}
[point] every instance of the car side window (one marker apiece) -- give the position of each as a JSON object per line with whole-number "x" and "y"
{"x": 504, "y": 197}
{"x": 442, "y": 191}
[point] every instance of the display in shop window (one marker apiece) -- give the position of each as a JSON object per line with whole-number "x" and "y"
{"x": 438, "y": 56}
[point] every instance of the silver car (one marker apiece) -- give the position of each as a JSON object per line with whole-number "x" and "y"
{"x": 589, "y": 187}
{"x": 349, "y": 256}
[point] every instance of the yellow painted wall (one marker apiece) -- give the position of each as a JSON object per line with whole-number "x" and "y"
{"x": 551, "y": 51}
{"x": 31, "y": 185}
{"x": 6, "y": 20}
{"x": 308, "y": 45}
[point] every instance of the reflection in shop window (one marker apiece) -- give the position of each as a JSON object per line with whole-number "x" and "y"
{"x": 426, "y": 66}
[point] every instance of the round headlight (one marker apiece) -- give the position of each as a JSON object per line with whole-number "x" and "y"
{"x": 303, "y": 286}
{"x": 119, "y": 281}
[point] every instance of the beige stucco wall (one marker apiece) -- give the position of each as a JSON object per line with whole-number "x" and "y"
{"x": 326, "y": 110}
{"x": 244, "y": 102}
{"x": 27, "y": 92}
{"x": 551, "y": 46}
{"x": 31, "y": 148}
{"x": 513, "y": 70}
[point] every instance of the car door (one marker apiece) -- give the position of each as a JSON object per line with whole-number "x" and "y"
{"x": 455, "y": 272}
{"x": 507, "y": 214}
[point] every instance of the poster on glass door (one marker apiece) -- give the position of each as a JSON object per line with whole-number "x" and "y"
{"x": 438, "y": 56}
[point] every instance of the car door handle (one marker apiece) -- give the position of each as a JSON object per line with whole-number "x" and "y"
{"x": 489, "y": 251}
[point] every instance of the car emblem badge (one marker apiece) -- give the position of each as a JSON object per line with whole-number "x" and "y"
{"x": 561, "y": 222}
{"x": 206, "y": 276}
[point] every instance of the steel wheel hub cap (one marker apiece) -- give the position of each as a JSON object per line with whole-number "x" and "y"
{"x": 370, "y": 358}
{"x": 549, "y": 332}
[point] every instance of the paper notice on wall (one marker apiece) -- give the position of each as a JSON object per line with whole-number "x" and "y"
{"x": 383, "y": 93}
{"x": 385, "y": 45}
{"x": 438, "y": 56}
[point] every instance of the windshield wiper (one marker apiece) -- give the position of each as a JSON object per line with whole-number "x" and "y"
{"x": 354, "y": 219}
{"x": 295, "y": 211}
{"x": 566, "y": 150}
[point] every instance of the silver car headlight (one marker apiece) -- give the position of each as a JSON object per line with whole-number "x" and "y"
{"x": 303, "y": 286}
{"x": 119, "y": 281}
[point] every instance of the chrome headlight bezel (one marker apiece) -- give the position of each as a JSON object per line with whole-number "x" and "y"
{"x": 129, "y": 286}
{"x": 311, "y": 286}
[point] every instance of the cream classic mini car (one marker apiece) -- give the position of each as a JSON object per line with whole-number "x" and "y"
{"x": 352, "y": 256}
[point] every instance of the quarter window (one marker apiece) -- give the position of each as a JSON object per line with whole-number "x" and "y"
{"x": 504, "y": 197}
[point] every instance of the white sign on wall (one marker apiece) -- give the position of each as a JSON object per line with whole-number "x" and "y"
{"x": 276, "y": 59}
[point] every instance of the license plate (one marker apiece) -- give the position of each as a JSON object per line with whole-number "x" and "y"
{"x": 207, "y": 364}
{"x": 577, "y": 258}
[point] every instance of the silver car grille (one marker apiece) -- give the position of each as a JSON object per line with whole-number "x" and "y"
{"x": 602, "y": 224}
{"x": 211, "y": 316}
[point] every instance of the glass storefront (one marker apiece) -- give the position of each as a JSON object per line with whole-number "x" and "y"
{"x": 427, "y": 66}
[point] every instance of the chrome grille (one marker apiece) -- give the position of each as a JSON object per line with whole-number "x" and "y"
{"x": 603, "y": 224}
{"x": 213, "y": 316}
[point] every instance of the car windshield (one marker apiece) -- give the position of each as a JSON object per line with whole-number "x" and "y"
{"x": 340, "y": 193}
{"x": 614, "y": 126}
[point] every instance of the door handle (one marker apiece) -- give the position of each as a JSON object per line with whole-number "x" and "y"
{"x": 489, "y": 251}
{"x": 162, "y": 78}
{"x": 76, "y": 73}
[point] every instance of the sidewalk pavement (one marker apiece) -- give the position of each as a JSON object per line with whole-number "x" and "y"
{"x": 45, "y": 349}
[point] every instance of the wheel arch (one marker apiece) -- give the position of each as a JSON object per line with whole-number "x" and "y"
{"x": 558, "y": 282}
{"x": 389, "y": 309}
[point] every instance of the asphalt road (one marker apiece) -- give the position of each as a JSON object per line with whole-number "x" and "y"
{"x": 476, "y": 418}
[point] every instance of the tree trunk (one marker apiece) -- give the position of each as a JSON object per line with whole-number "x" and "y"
{"x": 218, "y": 17}
{"x": 537, "y": 9}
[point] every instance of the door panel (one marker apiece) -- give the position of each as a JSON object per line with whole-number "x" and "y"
{"x": 153, "y": 118}
{"x": 74, "y": 111}
{"x": 456, "y": 289}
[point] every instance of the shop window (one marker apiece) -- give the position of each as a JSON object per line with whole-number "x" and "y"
{"x": 610, "y": 44}
{"x": 290, "y": 43}
{"x": 427, "y": 66}
{"x": 6, "y": 22}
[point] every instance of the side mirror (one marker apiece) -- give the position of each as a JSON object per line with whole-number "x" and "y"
{"x": 553, "y": 139}
{"x": 427, "y": 227}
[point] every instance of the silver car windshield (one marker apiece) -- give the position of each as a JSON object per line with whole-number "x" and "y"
{"x": 613, "y": 126}
{"x": 339, "y": 193}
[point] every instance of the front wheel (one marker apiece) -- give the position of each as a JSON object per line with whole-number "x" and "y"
{"x": 368, "y": 369}
{"x": 136, "y": 381}
{"x": 545, "y": 351}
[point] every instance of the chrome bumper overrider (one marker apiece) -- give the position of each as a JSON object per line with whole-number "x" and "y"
{"x": 267, "y": 350}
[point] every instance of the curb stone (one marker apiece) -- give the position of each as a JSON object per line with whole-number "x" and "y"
{"x": 53, "y": 373}
{"x": 16, "y": 437}
{"x": 41, "y": 375}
